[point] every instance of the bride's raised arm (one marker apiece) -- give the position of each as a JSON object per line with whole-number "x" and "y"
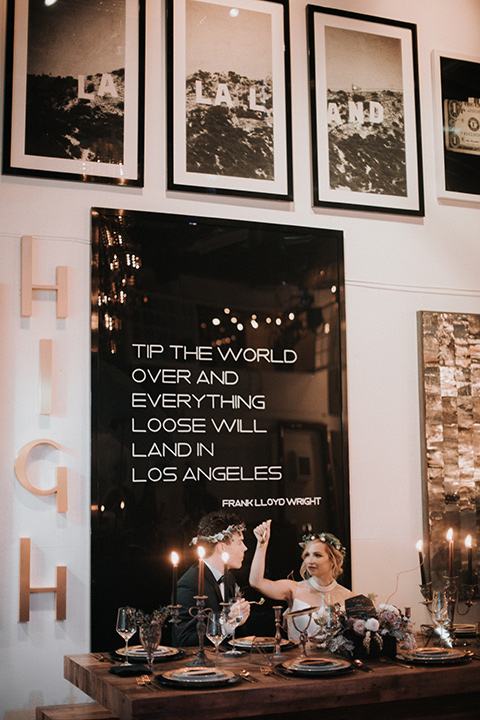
{"x": 275, "y": 589}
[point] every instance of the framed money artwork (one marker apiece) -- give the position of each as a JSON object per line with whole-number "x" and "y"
{"x": 229, "y": 98}
{"x": 457, "y": 98}
{"x": 74, "y": 90}
{"x": 364, "y": 112}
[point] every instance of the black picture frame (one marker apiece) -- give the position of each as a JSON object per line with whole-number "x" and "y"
{"x": 457, "y": 125}
{"x": 76, "y": 113}
{"x": 228, "y": 97}
{"x": 365, "y": 118}
{"x": 180, "y": 306}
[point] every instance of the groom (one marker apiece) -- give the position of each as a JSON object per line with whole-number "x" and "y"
{"x": 218, "y": 532}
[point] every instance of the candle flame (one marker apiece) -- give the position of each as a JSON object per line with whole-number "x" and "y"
{"x": 174, "y": 557}
{"x": 225, "y": 557}
{"x": 468, "y": 541}
{"x": 419, "y": 545}
{"x": 450, "y": 535}
{"x": 201, "y": 552}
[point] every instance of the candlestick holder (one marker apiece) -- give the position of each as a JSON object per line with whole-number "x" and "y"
{"x": 200, "y": 613}
{"x": 426, "y": 590}
{"x": 451, "y": 593}
{"x": 453, "y": 597}
{"x": 174, "y": 611}
{"x": 467, "y": 595}
{"x": 278, "y": 656}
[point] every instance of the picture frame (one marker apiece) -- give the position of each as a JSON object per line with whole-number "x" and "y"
{"x": 456, "y": 82}
{"x": 229, "y": 113}
{"x": 365, "y": 119}
{"x": 76, "y": 113}
{"x": 208, "y": 392}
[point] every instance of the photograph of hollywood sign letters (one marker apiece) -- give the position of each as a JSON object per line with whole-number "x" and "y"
{"x": 366, "y": 116}
{"x": 229, "y": 113}
{"x": 75, "y": 88}
{"x": 365, "y": 121}
{"x": 229, "y": 126}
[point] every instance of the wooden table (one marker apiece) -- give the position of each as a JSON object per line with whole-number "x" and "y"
{"x": 390, "y": 692}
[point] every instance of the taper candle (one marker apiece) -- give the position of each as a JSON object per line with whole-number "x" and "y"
{"x": 201, "y": 555}
{"x": 419, "y": 547}
{"x": 450, "y": 552}
{"x": 174, "y": 558}
{"x": 225, "y": 558}
{"x": 468, "y": 545}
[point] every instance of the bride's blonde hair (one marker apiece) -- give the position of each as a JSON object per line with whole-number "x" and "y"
{"x": 336, "y": 558}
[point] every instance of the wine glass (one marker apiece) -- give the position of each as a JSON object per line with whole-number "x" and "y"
{"x": 440, "y": 617}
{"x": 150, "y": 636}
{"x": 126, "y": 627}
{"x": 235, "y": 617}
{"x": 217, "y": 630}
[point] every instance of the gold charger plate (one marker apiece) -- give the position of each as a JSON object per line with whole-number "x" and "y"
{"x": 258, "y": 641}
{"x": 434, "y": 656}
{"x": 316, "y": 666}
{"x": 136, "y": 652}
{"x": 195, "y": 677}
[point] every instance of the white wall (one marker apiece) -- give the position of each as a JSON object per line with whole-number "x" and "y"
{"x": 394, "y": 266}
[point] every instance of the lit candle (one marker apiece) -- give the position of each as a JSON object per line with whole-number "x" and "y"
{"x": 225, "y": 558}
{"x": 174, "y": 558}
{"x": 419, "y": 547}
{"x": 450, "y": 552}
{"x": 201, "y": 555}
{"x": 468, "y": 545}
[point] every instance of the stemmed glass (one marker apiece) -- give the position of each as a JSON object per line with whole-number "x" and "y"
{"x": 150, "y": 636}
{"x": 217, "y": 630}
{"x": 235, "y": 617}
{"x": 126, "y": 627}
{"x": 440, "y": 617}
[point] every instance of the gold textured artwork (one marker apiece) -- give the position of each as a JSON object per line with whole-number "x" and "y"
{"x": 450, "y": 362}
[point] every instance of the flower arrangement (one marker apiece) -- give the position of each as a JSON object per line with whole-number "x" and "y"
{"x": 157, "y": 617}
{"x": 348, "y": 634}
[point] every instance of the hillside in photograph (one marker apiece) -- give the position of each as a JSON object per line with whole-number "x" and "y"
{"x": 60, "y": 124}
{"x": 368, "y": 157}
{"x": 235, "y": 141}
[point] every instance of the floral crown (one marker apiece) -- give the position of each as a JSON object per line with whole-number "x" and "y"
{"x": 220, "y": 536}
{"x": 323, "y": 537}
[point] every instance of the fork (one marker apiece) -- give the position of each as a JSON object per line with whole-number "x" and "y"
{"x": 268, "y": 670}
{"x": 145, "y": 681}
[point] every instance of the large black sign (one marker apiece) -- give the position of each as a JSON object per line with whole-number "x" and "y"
{"x": 217, "y": 381}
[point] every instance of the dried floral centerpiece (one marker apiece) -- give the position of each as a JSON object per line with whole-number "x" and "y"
{"x": 363, "y": 630}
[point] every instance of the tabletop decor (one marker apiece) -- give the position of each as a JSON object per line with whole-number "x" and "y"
{"x": 375, "y": 631}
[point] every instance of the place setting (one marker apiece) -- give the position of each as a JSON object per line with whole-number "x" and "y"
{"x": 435, "y": 656}
{"x": 138, "y": 660}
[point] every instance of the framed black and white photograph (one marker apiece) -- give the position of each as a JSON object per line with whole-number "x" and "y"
{"x": 74, "y": 90}
{"x": 457, "y": 120}
{"x": 366, "y": 141}
{"x": 229, "y": 98}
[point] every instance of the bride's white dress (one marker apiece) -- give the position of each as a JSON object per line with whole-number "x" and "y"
{"x": 315, "y": 596}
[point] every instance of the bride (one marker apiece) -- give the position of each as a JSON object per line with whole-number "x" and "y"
{"x": 323, "y": 556}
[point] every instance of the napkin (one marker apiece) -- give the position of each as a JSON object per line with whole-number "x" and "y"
{"x": 129, "y": 670}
